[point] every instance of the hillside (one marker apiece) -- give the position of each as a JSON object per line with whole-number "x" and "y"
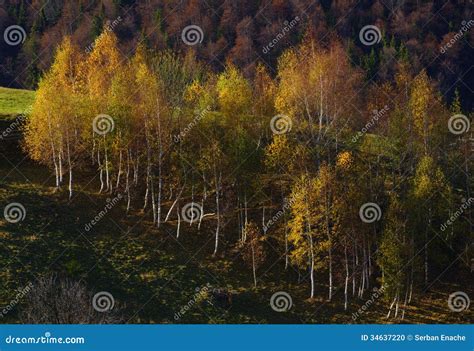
{"x": 151, "y": 274}
{"x": 236, "y": 162}
{"x": 14, "y": 102}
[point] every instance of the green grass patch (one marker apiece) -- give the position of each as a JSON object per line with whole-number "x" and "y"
{"x": 14, "y": 102}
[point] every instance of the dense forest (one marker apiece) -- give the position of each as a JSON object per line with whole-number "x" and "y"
{"x": 329, "y": 139}
{"x": 240, "y": 32}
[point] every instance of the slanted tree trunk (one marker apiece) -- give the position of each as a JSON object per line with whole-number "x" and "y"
{"x": 147, "y": 190}
{"x": 246, "y": 211}
{"x": 405, "y": 302}
{"x": 311, "y": 267}
{"x": 127, "y": 181}
{"x": 60, "y": 161}
{"x": 411, "y": 279}
{"x": 69, "y": 165}
{"x": 135, "y": 170}
{"x": 204, "y": 197}
{"x": 328, "y": 232}
{"x": 53, "y": 153}
{"x": 391, "y": 306}
{"x": 239, "y": 220}
{"x": 107, "y": 175}
{"x": 354, "y": 265}
{"x": 426, "y": 263}
{"x": 254, "y": 269}
{"x": 101, "y": 171}
{"x": 160, "y": 161}
{"x": 311, "y": 257}
{"x": 218, "y": 225}
{"x": 174, "y": 203}
{"x": 148, "y": 176}
{"x": 346, "y": 281}
{"x": 119, "y": 172}
{"x": 153, "y": 199}
{"x": 396, "y": 305}
{"x": 179, "y": 223}
{"x": 160, "y": 189}
{"x": 244, "y": 236}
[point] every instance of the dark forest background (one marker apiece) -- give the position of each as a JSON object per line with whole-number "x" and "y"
{"x": 238, "y": 31}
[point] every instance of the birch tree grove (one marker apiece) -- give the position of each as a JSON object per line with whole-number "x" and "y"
{"x": 277, "y": 164}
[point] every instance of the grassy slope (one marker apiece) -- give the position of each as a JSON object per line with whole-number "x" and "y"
{"x": 14, "y": 101}
{"x": 151, "y": 274}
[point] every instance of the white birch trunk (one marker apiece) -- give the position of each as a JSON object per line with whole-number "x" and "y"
{"x": 218, "y": 215}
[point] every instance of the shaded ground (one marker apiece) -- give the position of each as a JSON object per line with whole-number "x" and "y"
{"x": 151, "y": 274}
